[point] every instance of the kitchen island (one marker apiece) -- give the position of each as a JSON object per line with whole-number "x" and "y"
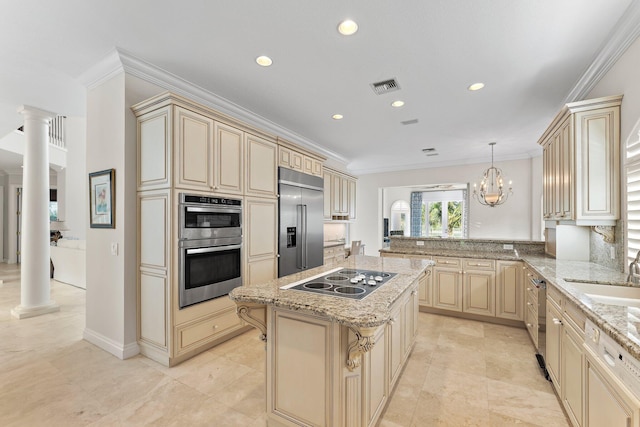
{"x": 331, "y": 360}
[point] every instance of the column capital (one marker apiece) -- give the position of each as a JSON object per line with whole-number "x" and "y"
{"x": 36, "y": 113}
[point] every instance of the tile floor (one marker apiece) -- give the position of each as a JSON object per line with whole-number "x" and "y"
{"x": 460, "y": 373}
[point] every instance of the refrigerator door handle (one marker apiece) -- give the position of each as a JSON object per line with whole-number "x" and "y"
{"x": 304, "y": 237}
{"x": 299, "y": 238}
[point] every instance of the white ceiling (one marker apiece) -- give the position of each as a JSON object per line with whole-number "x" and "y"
{"x": 529, "y": 53}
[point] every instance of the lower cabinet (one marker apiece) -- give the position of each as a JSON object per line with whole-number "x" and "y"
{"x": 483, "y": 287}
{"x": 607, "y": 403}
{"x": 334, "y": 254}
{"x": 553, "y": 343}
{"x": 572, "y": 372}
{"x": 330, "y": 392}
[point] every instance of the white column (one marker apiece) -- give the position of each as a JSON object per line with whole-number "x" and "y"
{"x": 35, "y": 290}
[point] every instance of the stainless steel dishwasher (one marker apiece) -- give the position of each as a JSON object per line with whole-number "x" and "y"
{"x": 536, "y": 314}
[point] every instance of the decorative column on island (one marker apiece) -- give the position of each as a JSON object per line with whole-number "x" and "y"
{"x": 333, "y": 361}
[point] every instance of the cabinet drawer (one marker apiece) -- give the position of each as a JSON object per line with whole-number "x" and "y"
{"x": 447, "y": 262}
{"x": 574, "y": 315}
{"x": 555, "y": 296}
{"x": 531, "y": 322}
{"x": 478, "y": 264}
{"x": 195, "y": 334}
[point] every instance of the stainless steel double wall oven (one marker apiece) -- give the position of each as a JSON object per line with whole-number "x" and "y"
{"x": 210, "y": 246}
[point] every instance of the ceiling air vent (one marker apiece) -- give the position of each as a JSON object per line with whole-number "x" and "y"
{"x": 385, "y": 86}
{"x": 410, "y": 122}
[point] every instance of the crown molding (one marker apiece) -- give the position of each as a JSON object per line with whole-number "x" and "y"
{"x": 119, "y": 60}
{"x": 625, "y": 32}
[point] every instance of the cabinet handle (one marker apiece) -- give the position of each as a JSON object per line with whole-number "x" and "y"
{"x": 557, "y": 321}
{"x": 413, "y": 293}
{"x": 529, "y": 325}
{"x": 528, "y": 303}
{"x": 392, "y": 320}
{"x": 215, "y": 326}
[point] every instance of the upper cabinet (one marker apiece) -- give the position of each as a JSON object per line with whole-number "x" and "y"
{"x": 294, "y": 157}
{"x": 339, "y": 195}
{"x": 581, "y": 163}
{"x": 190, "y": 147}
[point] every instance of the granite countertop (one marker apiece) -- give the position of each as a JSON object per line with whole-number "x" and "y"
{"x": 506, "y": 255}
{"x": 620, "y": 322}
{"x": 372, "y": 311}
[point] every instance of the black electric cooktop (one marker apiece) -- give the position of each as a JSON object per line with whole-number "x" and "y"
{"x": 346, "y": 283}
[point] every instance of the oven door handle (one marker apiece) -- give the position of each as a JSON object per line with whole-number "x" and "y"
{"x": 213, "y": 249}
{"x": 216, "y": 209}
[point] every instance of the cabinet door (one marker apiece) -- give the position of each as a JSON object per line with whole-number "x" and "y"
{"x": 261, "y": 216}
{"x": 317, "y": 168}
{"x": 554, "y": 336}
{"x": 425, "y": 293}
{"x": 228, "y": 164}
{"x": 597, "y": 139}
{"x": 547, "y": 183}
{"x": 307, "y": 165}
{"x": 395, "y": 331}
{"x": 376, "y": 377}
{"x": 328, "y": 200}
{"x": 410, "y": 323}
{"x": 447, "y": 288}
{"x": 565, "y": 179}
{"x": 261, "y": 167}
{"x": 352, "y": 199}
{"x": 605, "y": 407}
{"x": 284, "y": 157}
{"x": 194, "y": 136}
{"x": 336, "y": 195}
{"x": 479, "y": 292}
{"x": 509, "y": 290}
{"x": 344, "y": 196}
{"x": 154, "y": 149}
{"x": 571, "y": 371}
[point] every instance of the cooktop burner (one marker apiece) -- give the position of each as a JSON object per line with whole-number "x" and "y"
{"x": 346, "y": 283}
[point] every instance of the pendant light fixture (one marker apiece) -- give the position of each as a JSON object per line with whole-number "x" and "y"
{"x": 491, "y": 191}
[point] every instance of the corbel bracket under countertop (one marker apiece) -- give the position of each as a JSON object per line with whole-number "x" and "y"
{"x": 256, "y": 316}
{"x": 364, "y": 342}
{"x": 607, "y": 232}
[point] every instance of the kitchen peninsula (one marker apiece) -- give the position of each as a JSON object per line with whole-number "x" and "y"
{"x": 332, "y": 360}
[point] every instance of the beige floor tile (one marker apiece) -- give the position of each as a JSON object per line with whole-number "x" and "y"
{"x": 460, "y": 373}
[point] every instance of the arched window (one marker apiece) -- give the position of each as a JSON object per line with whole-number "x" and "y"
{"x": 399, "y": 218}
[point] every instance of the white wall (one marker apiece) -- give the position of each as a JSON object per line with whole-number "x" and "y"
{"x": 510, "y": 221}
{"x": 111, "y": 320}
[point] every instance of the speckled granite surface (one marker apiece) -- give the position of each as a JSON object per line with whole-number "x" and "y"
{"x": 372, "y": 311}
{"x": 620, "y": 322}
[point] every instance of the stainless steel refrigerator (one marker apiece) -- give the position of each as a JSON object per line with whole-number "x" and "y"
{"x": 300, "y": 243}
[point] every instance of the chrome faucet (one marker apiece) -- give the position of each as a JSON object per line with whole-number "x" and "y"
{"x": 634, "y": 270}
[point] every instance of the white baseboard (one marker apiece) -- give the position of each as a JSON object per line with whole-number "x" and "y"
{"x": 111, "y": 346}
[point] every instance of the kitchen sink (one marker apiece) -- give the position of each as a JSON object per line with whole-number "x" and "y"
{"x": 608, "y": 293}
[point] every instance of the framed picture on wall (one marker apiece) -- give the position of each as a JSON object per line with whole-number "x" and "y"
{"x": 102, "y": 199}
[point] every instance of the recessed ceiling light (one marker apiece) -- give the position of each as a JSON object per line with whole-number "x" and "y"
{"x": 264, "y": 61}
{"x": 337, "y": 117}
{"x": 476, "y": 86}
{"x": 347, "y": 27}
{"x": 397, "y": 103}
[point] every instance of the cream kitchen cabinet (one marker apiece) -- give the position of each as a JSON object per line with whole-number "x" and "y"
{"x": 260, "y": 161}
{"x": 294, "y": 157}
{"x": 187, "y": 147}
{"x": 581, "y": 163}
{"x": 210, "y": 154}
{"x": 607, "y": 402}
{"x": 510, "y": 290}
{"x": 334, "y": 254}
{"x": 478, "y": 286}
{"x": 340, "y": 201}
{"x": 465, "y": 285}
{"x": 261, "y": 239}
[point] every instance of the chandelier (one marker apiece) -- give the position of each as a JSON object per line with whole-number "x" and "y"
{"x": 491, "y": 192}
